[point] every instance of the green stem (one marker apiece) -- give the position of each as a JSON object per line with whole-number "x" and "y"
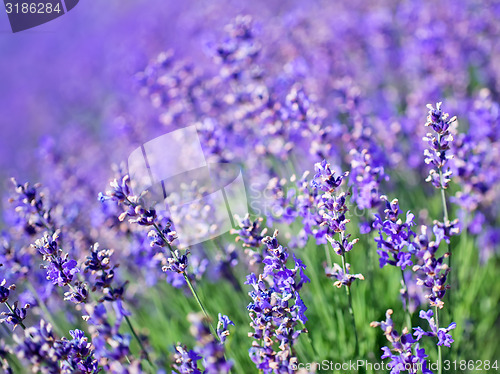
{"x": 453, "y": 278}
{"x": 438, "y": 347}
{"x": 445, "y": 207}
{"x": 351, "y": 311}
{"x": 407, "y": 303}
{"x": 188, "y": 281}
{"x": 143, "y": 349}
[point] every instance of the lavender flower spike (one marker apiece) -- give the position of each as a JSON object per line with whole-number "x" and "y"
{"x": 443, "y": 334}
{"x": 395, "y": 235}
{"x": 432, "y": 272}
{"x": 222, "y": 327}
{"x": 276, "y": 309}
{"x": 344, "y": 278}
{"x": 405, "y": 353}
{"x": 211, "y": 350}
{"x": 15, "y": 316}
{"x": 439, "y": 142}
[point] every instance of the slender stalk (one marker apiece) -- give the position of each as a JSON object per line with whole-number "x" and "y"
{"x": 407, "y": 303}
{"x": 445, "y": 207}
{"x": 189, "y": 283}
{"x": 446, "y": 221}
{"x": 143, "y": 349}
{"x": 200, "y": 304}
{"x": 351, "y": 311}
{"x": 438, "y": 347}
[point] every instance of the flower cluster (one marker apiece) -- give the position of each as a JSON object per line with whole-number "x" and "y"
{"x": 308, "y": 200}
{"x": 344, "y": 278}
{"x": 365, "y": 177}
{"x": 442, "y": 334}
{"x": 121, "y": 193}
{"x": 16, "y": 315}
{"x": 30, "y": 207}
{"x": 274, "y": 99}
{"x": 61, "y": 270}
{"x": 50, "y": 355}
{"x": 276, "y": 309}
{"x": 432, "y": 270}
{"x": 333, "y": 210}
{"x": 405, "y": 353}
{"x": 438, "y": 154}
{"x": 476, "y": 169}
{"x": 239, "y": 50}
{"x": 222, "y": 327}
{"x": 251, "y": 234}
{"x": 186, "y": 361}
{"x": 208, "y": 349}
{"x": 333, "y": 207}
{"x": 324, "y": 179}
{"x": 111, "y": 346}
{"x": 394, "y": 235}
{"x": 211, "y": 350}
{"x": 99, "y": 264}
{"x": 161, "y": 235}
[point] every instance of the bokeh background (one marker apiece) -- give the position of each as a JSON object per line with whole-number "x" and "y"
{"x": 73, "y": 102}
{"x": 78, "y": 70}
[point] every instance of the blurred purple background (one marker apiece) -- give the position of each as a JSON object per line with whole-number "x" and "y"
{"x": 78, "y": 69}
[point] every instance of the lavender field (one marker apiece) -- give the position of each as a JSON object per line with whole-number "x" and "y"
{"x": 260, "y": 187}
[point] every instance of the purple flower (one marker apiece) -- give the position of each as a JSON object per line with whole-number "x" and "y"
{"x": 61, "y": 271}
{"x": 324, "y": 179}
{"x": 163, "y": 239}
{"x": 439, "y": 143}
{"x": 333, "y": 210}
{"x": 185, "y": 361}
{"x": 406, "y": 354}
{"x": 307, "y": 203}
{"x": 4, "y": 292}
{"x": 343, "y": 278}
{"x": 47, "y": 245}
{"x": 208, "y": 348}
{"x": 121, "y": 193}
{"x": 395, "y": 235}
{"x": 250, "y": 232}
{"x": 51, "y": 355}
{"x": 276, "y": 308}
{"x": 365, "y": 177}
{"x": 161, "y": 235}
{"x": 30, "y": 207}
{"x": 443, "y": 334}
{"x": 99, "y": 265}
{"x": 16, "y": 315}
{"x": 222, "y": 325}
{"x": 176, "y": 264}
{"x": 432, "y": 270}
